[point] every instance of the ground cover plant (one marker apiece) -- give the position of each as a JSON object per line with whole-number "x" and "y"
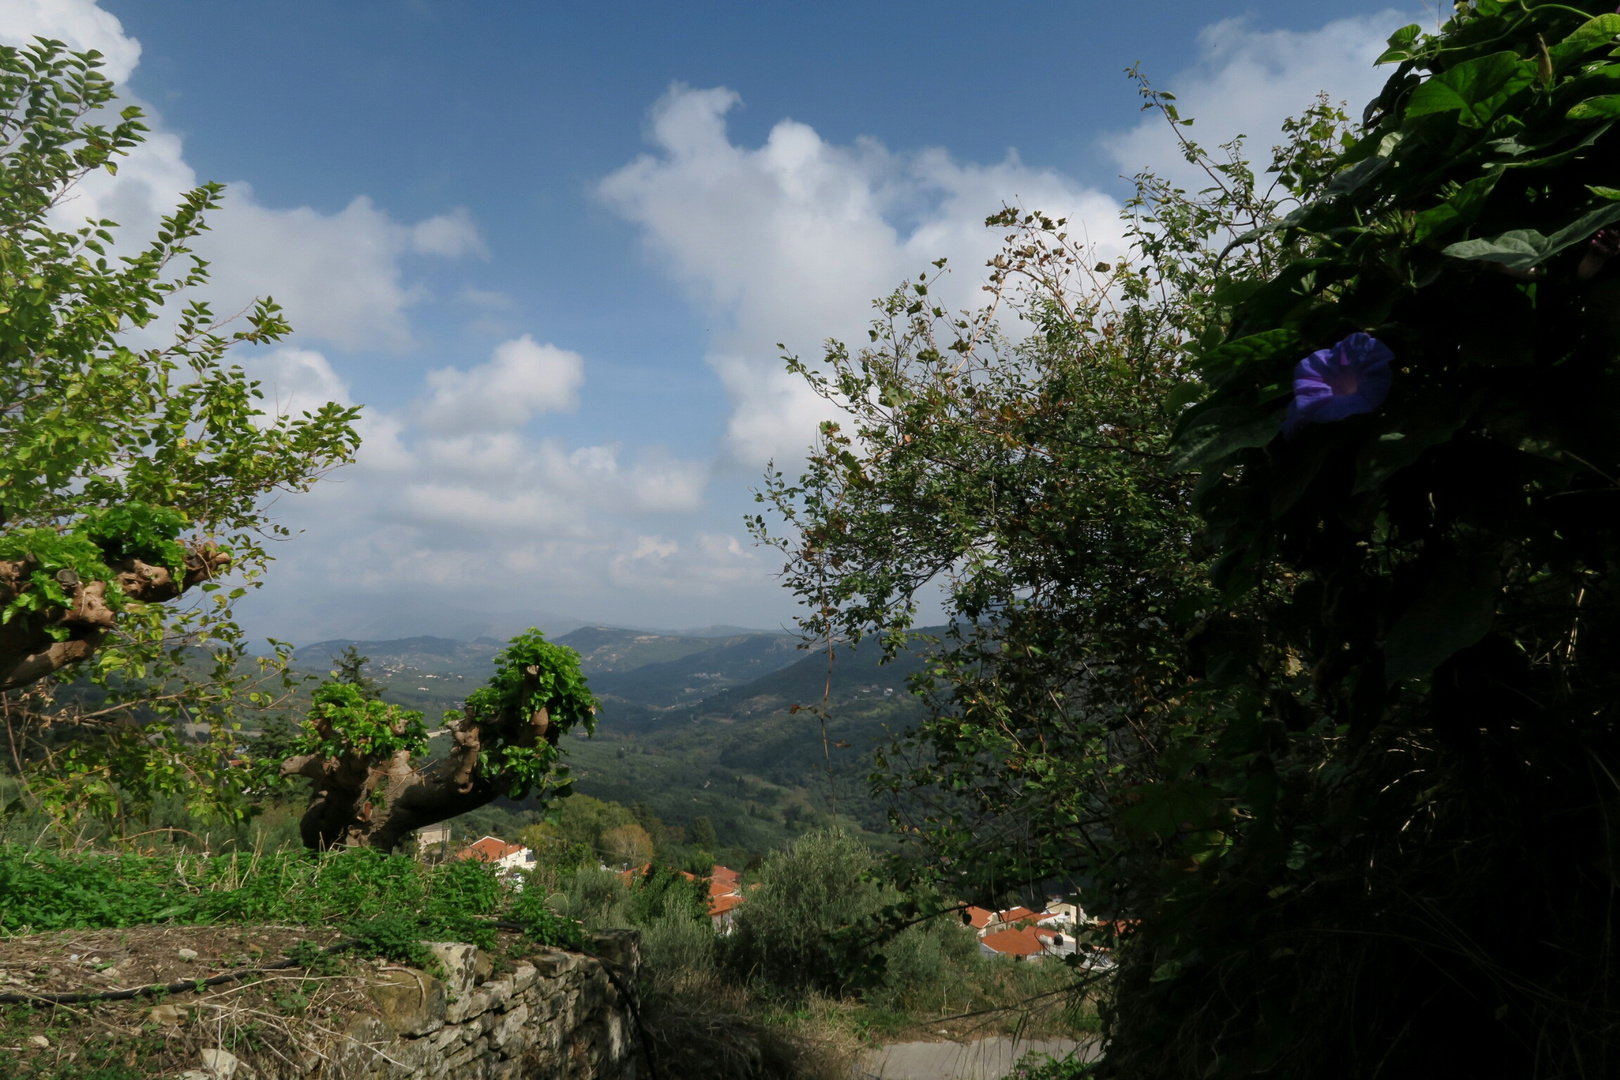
{"x": 375, "y": 897}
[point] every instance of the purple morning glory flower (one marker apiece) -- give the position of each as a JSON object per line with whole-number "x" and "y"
{"x": 1330, "y": 384}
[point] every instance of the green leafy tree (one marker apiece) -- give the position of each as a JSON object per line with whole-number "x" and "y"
{"x": 703, "y": 834}
{"x": 350, "y": 668}
{"x": 808, "y": 924}
{"x": 128, "y": 474}
{"x": 628, "y": 845}
{"x": 1031, "y": 476}
{"x": 365, "y": 758}
{"x": 1408, "y": 444}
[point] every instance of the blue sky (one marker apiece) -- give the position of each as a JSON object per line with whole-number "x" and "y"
{"x": 551, "y": 247}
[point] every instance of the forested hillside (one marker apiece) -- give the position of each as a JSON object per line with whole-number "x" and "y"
{"x": 693, "y": 727}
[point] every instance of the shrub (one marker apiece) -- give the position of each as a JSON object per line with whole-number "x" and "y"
{"x": 806, "y": 926}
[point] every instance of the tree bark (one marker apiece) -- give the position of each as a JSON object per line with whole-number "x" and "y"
{"x": 29, "y": 652}
{"x": 370, "y": 801}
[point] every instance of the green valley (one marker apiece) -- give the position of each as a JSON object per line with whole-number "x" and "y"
{"x": 720, "y": 730}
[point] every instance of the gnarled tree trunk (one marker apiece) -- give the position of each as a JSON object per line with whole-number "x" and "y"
{"x": 28, "y": 650}
{"x": 370, "y": 801}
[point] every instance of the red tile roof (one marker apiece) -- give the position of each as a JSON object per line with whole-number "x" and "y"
{"x": 977, "y": 917}
{"x": 722, "y": 896}
{"x": 1020, "y": 942}
{"x": 1016, "y": 914}
{"x": 719, "y": 905}
{"x": 725, "y": 874}
{"x": 629, "y": 876}
{"x": 488, "y": 849}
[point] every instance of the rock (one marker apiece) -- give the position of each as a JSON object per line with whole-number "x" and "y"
{"x": 187, "y": 954}
{"x": 508, "y": 1034}
{"x": 460, "y": 963}
{"x": 39, "y": 1042}
{"x": 219, "y": 1064}
{"x": 170, "y": 1015}
{"x": 410, "y": 1002}
{"x": 621, "y": 948}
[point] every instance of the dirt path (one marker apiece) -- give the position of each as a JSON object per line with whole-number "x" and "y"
{"x": 986, "y": 1059}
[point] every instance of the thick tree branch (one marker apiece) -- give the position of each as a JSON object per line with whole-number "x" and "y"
{"x": 29, "y": 651}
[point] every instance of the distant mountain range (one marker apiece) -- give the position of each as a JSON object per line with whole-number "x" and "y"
{"x": 636, "y": 674}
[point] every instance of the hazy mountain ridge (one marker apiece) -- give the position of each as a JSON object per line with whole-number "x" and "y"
{"x": 436, "y": 655}
{"x": 690, "y": 677}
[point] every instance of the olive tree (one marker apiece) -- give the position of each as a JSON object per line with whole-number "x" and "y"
{"x": 374, "y": 780}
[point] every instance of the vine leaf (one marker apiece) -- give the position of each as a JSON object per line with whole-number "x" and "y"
{"x": 1475, "y": 89}
{"x": 1522, "y": 249}
{"x": 1454, "y": 611}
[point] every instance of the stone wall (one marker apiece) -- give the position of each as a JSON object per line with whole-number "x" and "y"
{"x": 556, "y": 1015}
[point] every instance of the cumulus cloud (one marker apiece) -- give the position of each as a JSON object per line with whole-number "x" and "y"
{"x": 1248, "y": 81}
{"x": 789, "y": 241}
{"x": 708, "y": 561}
{"x": 339, "y": 276}
{"x": 451, "y": 492}
{"x": 79, "y": 24}
{"x": 296, "y": 381}
{"x": 521, "y": 380}
{"x": 792, "y": 240}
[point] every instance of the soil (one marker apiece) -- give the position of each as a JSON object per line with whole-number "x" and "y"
{"x": 287, "y": 1014}
{"x": 79, "y": 961}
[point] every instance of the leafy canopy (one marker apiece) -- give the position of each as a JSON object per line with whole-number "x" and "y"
{"x": 120, "y": 458}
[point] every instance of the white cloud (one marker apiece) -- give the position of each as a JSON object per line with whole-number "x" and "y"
{"x": 295, "y": 381}
{"x": 79, "y": 24}
{"x": 1247, "y": 82}
{"x": 708, "y": 563}
{"x": 451, "y": 235}
{"x": 491, "y": 299}
{"x": 791, "y": 241}
{"x": 455, "y": 499}
{"x": 520, "y": 380}
{"x": 337, "y": 275}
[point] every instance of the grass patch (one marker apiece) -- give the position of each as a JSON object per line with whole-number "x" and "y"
{"x": 390, "y": 902}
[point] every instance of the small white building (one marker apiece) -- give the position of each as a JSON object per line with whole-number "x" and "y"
{"x": 433, "y": 841}
{"x": 506, "y": 857}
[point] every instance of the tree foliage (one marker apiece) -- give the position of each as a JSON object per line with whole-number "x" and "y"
{"x": 1419, "y": 604}
{"x": 129, "y": 473}
{"x": 1029, "y": 472}
{"x": 1317, "y": 704}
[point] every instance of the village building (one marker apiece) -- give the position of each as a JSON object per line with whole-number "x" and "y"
{"x": 508, "y": 858}
{"x": 433, "y": 842}
{"x": 1026, "y": 943}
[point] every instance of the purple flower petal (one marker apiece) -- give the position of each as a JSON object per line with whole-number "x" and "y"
{"x": 1350, "y": 378}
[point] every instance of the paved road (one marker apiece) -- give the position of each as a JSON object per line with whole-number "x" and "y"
{"x": 986, "y": 1059}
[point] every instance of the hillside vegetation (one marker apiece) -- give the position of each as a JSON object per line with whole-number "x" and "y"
{"x": 691, "y": 727}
